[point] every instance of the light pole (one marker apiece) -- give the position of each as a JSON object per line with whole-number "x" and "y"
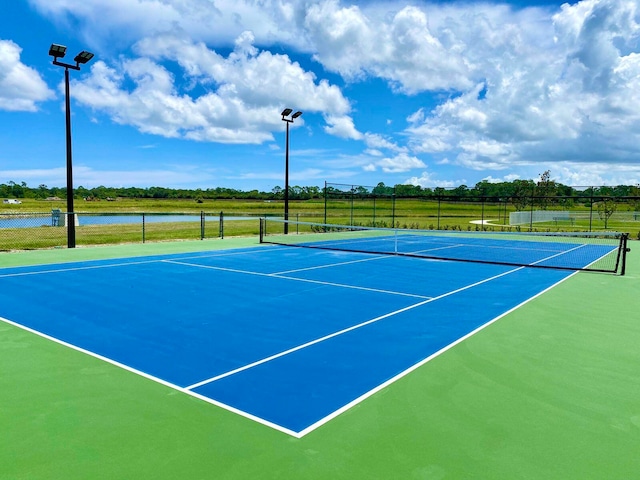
{"x": 285, "y": 118}
{"x": 59, "y": 51}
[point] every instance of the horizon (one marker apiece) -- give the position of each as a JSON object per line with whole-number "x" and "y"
{"x": 435, "y": 94}
{"x": 319, "y": 189}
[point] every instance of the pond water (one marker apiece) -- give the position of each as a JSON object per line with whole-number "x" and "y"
{"x": 47, "y": 220}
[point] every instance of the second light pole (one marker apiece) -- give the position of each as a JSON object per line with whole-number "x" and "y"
{"x": 288, "y": 118}
{"x": 58, "y": 52}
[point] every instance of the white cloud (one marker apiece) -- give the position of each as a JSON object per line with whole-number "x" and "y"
{"x": 415, "y": 48}
{"x": 21, "y": 87}
{"x": 244, "y": 92}
{"x": 510, "y": 177}
{"x": 398, "y": 164}
{"x": 258, "y": 77}
{"x": 574, "y": 100}
{"x": 515, "y": 87}
{"x": 376, "y": 141}
{"x": 506, "y": 178}
{"x": 342, "y": 126}
{"x": 91, "y": 178}
{"x": 122, "y": 22}
{"x": 578, "y": 174}
{"x": 373, "y": 152}
{"x": 302, "y": 176}
{"x": 427, "y": 180}
{"x": 406, "y": 51}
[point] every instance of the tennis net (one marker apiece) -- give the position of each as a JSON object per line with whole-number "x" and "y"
{"x": 591, "y": 251}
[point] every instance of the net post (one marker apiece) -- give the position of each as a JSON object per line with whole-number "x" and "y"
{"x": 625, "y": 249}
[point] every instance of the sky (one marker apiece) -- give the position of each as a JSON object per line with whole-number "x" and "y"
{"x": 189, "y": 93}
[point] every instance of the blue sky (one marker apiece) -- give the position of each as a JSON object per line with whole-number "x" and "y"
{"x": 188, "y": 93}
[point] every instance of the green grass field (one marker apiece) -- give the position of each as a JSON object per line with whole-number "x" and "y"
{"x": 549, "y": 391}
{"x": 404, "y": 213}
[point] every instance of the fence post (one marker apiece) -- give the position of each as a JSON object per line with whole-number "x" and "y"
{"x": 325, "y": 202}
{"x": 352, "y": 195}
{"x": 531, "y": 210}
{"x": 221, "y": 232}
{"x": 393, "y": 208}
{"x": 201, "y": 224}
{"x": 374, "y": 210}
{"x": 591, "y": 210}
{"x": 504, "y": 222}
{"x": 143, "y": 232}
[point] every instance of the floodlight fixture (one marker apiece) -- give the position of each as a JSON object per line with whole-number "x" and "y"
{"x": 296, "y": 115}
{"x": 286, "y": 112}
{"x": 57, "y": 51}
{"x": 83, "y": 57}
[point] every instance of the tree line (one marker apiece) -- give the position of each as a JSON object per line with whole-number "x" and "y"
{"x": 545, "y": 187}
{"x": 514, "y": 191}
{"x": 22, "y": 190}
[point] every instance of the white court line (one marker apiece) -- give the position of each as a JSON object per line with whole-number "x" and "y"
{"x": 74, "y": 269}
{"x": 349, "y": 329}
{"x": 153, "y": 378}
{"x": 296, "y": 279}
{"x": 414, "y": 367}
{"x": 438, "y": 248}
{"x": 215, "y": 253}
{"x": 513, "y": 247}
{"x": 111, "y": 265}
{"x": 559, "y": 254}
{"x": 329, "y": 265}
{"x": 408, "y": 239}
{"x": 505, "y": 247}
{"x": 563, "y": 252}
{"x": 312, "y": 427}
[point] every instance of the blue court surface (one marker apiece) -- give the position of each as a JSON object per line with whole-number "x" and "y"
{"x": 289, "y": 337}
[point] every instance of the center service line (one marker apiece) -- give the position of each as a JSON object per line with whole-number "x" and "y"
{"x": 346, "y": 330}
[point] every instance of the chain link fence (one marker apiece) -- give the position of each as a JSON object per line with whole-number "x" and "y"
{"x": 438, "y": 209}
{"x": 26, "y": 231}
{"x": 442, "y": 209}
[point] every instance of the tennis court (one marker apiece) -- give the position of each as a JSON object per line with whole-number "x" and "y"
{"x": 292, "y": 341}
